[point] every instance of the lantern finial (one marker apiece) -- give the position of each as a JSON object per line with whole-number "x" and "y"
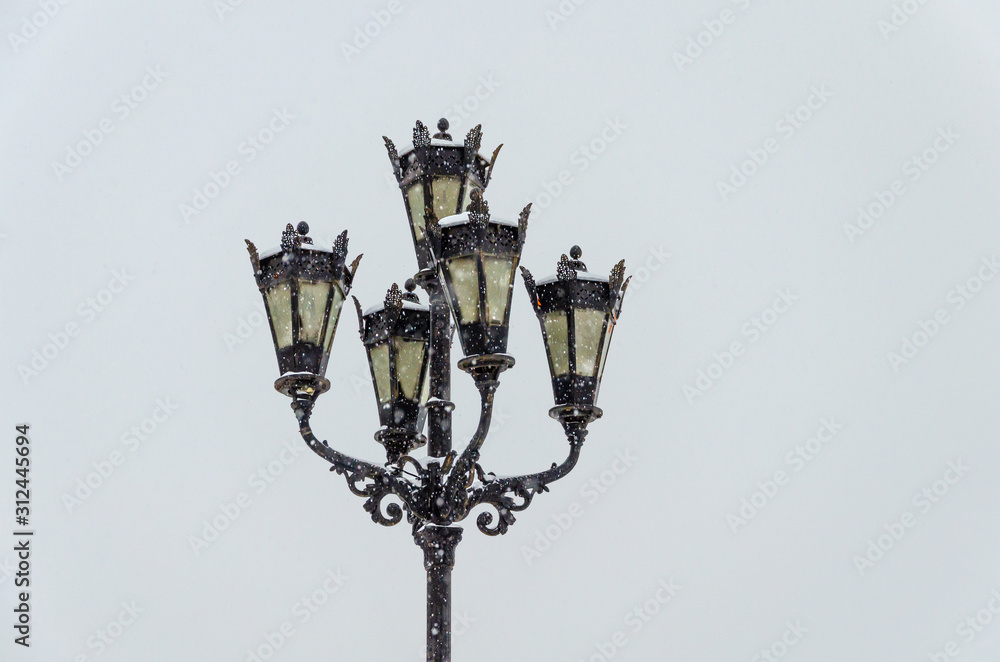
{"x": 442, "y": 133}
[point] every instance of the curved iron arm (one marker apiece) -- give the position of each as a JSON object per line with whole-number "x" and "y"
{"x": 500, "y": 492}
{"x": 463, "y": 467}
{"x": 358, "y": 474}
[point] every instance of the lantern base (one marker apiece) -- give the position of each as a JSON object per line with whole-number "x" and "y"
{"x": 576, "y": 413}
{"x": 299, "y": 385}
{"x": 486, "y": 366}
{"x": 398, "y": 442}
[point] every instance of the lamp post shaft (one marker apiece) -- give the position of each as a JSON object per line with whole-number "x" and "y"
{"x": 439, "y": 407}
{"x": 438, "y": 543}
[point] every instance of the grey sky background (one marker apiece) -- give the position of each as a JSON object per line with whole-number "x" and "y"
{"x": 804, "y": 193}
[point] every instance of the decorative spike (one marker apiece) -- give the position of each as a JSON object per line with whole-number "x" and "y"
{"x": 340, "y": 245}
{"x": 472, "y": 140}
{"x": 617, "y": 276}
{"x": 254, "y": 257}
{"x": 393, "y": 305}
{"x": 565, "y": 269}
{"x": 361, "y": 319}
{"x": 289, "y": 238}
{"x": 421, "y": 136}
{"x": 489, "y": 171}
{"x": 394, "y": 298}
{"x": 522, "y": 224}
{"x": 529, "y": 283}
{"x": 621, "y": 298}
{"x": 354, "y": 265}
{"x": 393, "y": 158}
{"x": 349, "y": 273}
{"x": 479, "y": 210}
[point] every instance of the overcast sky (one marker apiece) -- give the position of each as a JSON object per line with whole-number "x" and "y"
{"x": 798, "y": 454}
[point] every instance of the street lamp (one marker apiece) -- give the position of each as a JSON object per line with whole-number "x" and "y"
{"x": 577, "y": 312}
{"x": 467, "y": 261}
{"x": 396, "y": 336}
{"x": 437, "y": 177}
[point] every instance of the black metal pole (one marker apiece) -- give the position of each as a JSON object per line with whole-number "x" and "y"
{"x": 439, "y": 407}
{"x": 438, "y": 543}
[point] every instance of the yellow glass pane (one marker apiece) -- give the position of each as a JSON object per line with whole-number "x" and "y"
{"x": 498, "y": 272}
{"x": 557, "y": 341}
{"x": 588, "y": 326}
{"x": 379, "y": 355}
{"x": 331, "y": 326}
{"x": 464, "y": 276}
{"x": 445, "y": 191}
{"x": 409, "y": 361}
{"x": 312, "y": 310}
{"x": 279, "y": 305}
{"x": 415, "y": 199}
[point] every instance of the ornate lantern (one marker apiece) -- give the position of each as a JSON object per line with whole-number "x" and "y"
{"x": 437, "y": 177}
{"x": 396, "y": 336}
{"x": 577, "y": 312}
{"x": 303, "y": 287}
{"x": 476, "y": 257}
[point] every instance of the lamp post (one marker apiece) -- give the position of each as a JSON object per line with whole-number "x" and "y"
{"x": 467, "y": 263}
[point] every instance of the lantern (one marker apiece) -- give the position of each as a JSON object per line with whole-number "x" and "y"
{"x": 476, "y": 257}
{"x": 396, "y": 336}
{"x": 303, "y": 287}
{"x": 437, "y": 177}
{"x": 577, "y": 312}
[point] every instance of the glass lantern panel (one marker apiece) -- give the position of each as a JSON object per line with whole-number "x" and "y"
{"x": 279, "y": 306}
{"x": 409, "y": 361}
{"x": 415, "y": 201}
{"x": 467, "y": 196}
{"x": 588, "y": 327}
{"x": 498, "y": 272}
{"x": 445, "y": 191}
{"x": 379, "y": 356}
{"x": 557, "y": 341}
{"x": 463, "y": 275}
{"x": 331, "y": 325}
{"x": 312, "y": 310}
{"x": 604, "y": 349}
